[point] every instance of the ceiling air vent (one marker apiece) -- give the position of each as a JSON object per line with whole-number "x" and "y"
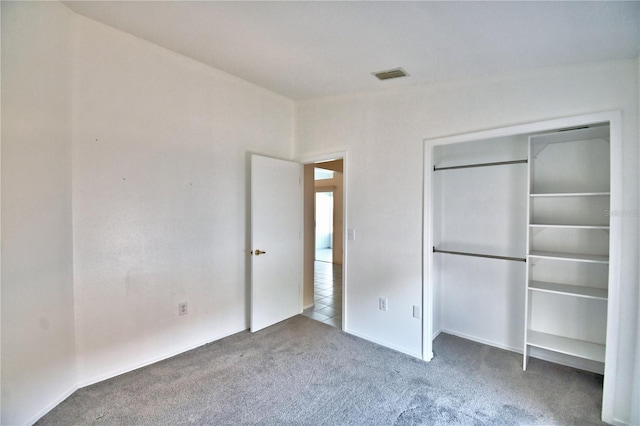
{"x": 389, "y": 74}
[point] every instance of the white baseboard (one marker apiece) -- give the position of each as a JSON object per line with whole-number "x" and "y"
{"x": 618, "y": 422}
{"x": 162, "y": 357}
{"x": 53, "y": 404}
{"x": 308, "y": 306}
{"x": 436, "y": 334}
{"x": 385, "y": 344}
{"x": 118, "y": 372}
{"x": 483, "y": 341}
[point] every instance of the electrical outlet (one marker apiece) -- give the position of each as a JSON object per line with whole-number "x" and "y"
{"x": 182, "y": 308}
{"x": 382, "y": 304}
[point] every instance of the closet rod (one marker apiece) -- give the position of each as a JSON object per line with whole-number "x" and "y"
{"x": 466, "y": 166}
{"x": 489, "y": 256}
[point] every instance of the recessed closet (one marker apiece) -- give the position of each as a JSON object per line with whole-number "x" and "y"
{"x": 480, "y": 208}
{"x": 521, "y": 240}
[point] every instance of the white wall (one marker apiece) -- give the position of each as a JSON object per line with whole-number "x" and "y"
{"x": 160, "y": 168}
{"x": 135, "y": 159}
{"x": 481, "y": 210}
{"x": 0, "y": 216}
{"x": 635, "y": 412}
{"x": 38, "y": 354}
{"x": 384, "y": 132}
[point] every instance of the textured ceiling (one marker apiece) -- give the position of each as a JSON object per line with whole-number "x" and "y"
{"x": 311, "y": 49}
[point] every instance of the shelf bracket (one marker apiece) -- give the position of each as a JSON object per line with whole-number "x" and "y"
{"x": 535, "y": 155}
{"x": 537, "y": 231}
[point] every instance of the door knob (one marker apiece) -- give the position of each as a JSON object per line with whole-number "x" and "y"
{"x": 259, "y": 252}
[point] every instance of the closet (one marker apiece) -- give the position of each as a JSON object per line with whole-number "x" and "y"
{"x": 520, "y": 242}
{"x": 568, "y": 245}
{"x": 523, "y": 241}
{"x": 479, "y": 240}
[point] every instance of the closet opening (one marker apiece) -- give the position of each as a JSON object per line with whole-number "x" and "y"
{"x": 520, "y": 250}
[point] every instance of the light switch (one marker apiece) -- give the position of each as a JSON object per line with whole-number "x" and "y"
{"x": 351, "y": 234}
{"x": 416, "y": 312}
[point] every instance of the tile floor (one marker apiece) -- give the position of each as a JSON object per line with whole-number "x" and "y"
{"x": 324, "y": 255}
{"x": 327, "y": 294}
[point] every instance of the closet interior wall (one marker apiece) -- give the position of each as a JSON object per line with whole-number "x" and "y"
{"x": 480, "y": 210}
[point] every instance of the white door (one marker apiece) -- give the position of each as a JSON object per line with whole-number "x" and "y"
{"x": 276, "y": 241}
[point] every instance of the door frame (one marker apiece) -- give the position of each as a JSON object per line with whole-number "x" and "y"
{"x": 338, "y": 155}
{"x": 614, "y": 118}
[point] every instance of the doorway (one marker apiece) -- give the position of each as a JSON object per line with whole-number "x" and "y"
{"x": 324, "y": 245}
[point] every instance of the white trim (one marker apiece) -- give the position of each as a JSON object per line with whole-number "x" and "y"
{"x": 427, "y": 258}
{"x": 618, "y": 422}
{"x": 159, "y": 358}
{"x": 525, "y": 334}
{"x": 615, "y": 272}
{"x": 483, "y": 341}
{"x": 327, "y": 156}
{"x": 66, "y": 394}
{"x": 614, "y": 118}
{"x": 383, "y": 343}
{"x": 337, "y": 155}
{"x": 310, "y": 305}
{"x": 436, "y": 334}
{"x": 521, "y": 129}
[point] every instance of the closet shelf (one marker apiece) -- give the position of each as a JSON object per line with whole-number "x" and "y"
{"x": 565, "y": 345}
{"x": 588, "y": 258}
{"x": 573, "y": 135}
{"x": 569, "y": 290}
{"x": 571, "y": 194}
{"x": 541, "y": 225}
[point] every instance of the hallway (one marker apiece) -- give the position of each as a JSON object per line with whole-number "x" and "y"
{"x": 327, "y": 294}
